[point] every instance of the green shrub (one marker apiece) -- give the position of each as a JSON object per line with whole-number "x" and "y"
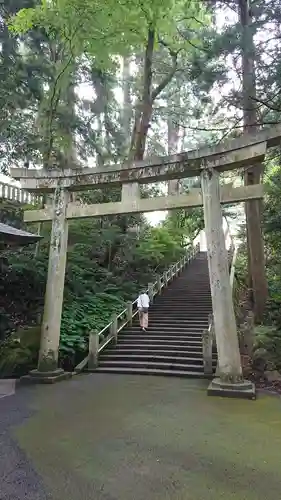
{"x": 269, "y": 339}
{"x": 19, "y": 352}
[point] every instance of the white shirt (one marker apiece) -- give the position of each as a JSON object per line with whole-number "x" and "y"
{"x": 143, "y": 301}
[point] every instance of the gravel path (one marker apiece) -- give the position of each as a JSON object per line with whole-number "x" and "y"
{"x": 119, "y": 437}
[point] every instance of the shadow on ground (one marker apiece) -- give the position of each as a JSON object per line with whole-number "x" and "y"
{"x": 106, "y": 437}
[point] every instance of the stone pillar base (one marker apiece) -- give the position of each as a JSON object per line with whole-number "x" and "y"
{"x": 37, "y": 377}
{"x": 243, "y": 389}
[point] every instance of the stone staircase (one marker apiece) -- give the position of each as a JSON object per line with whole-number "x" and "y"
{"x": 173, "y": 343}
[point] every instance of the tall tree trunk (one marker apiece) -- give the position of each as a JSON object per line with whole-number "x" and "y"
{"x": 256, "y": 260}
{"x": 144, "y": 107}
{"x": 69, "y": 150}
{"x": 127, "y": 104}
{"x": 173, "y": 139}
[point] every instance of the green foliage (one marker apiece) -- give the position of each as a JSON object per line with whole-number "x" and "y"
{"x": 158, "y": 246}
{"x": 272, "y": 232}
{"x": 185, "y": 225}
{"x": 268, "y": 338}
{"x": 113, "y": 28}
{"x": 91, "y": 312}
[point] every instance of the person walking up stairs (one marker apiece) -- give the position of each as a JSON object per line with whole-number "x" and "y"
{"x": 143, "y": 306}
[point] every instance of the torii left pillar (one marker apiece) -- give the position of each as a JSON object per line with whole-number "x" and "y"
{"x": 47, "y": 370}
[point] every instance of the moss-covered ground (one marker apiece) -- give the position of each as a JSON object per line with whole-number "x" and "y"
{"x": 105, "y": 437}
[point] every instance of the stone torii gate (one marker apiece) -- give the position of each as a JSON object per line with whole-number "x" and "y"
{"x": 208, "y": 162}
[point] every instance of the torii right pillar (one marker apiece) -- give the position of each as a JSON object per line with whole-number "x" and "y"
{"x": 229, "y": 381}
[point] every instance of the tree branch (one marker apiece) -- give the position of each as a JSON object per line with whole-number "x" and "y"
{"x": 166, "y": 80}
{"x": 265, "y": 103}
{"x": 223, "y": 129}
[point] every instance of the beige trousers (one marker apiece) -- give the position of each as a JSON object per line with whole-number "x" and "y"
{"x": 143, "y": 319}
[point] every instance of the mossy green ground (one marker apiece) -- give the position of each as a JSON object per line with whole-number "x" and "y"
{"x": 106, "y": 437}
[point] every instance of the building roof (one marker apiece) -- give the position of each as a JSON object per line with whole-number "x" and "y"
{"x": 10, "y": 234}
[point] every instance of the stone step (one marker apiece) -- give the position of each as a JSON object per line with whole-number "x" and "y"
{"x": 197, "y": 320}
{"x": 140, "y": 351}
{"x": 185, "y": 294}
{"x": 186, "y": 284}
{"x": 196, "y": 293}
{"x": 179, "y": 305}
{"x": 159, "y": 340}
{"x": 157, "y": 327}
{"x": 182, "y": 309}
{"x": 183, "y": 313}
{"x": 187, "y": 288}
{"x": 166, "y": 336}
{"x": 163, "y": 335}
{"x": 179, "y": 326}
{"x": 151, "y": 371}
{"x": 155, "y": 357}
{"x": 183, "y": 300}
{"x": 195, "y": 347}
{"x": 152, "y": 364}
{"x": 182, "y": 297}
{"x": 170, "y": 321}
{"x": 162, "y": 342}
{"x": 198, "y": 279}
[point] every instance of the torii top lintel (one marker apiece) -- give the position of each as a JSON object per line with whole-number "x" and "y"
{"x": 247, "y": 149}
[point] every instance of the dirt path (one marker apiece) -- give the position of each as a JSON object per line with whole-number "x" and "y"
{"x": 104, "y": 437}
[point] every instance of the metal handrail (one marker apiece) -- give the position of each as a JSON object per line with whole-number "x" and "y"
{"x": 152, "y": 290}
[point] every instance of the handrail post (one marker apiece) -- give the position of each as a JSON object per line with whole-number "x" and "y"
{"x": 207, "y": 346}
{"x": 165, "y": 276}
{"x": 159, "y": 285}
{"x": 114, "y": 327}
{"x": 208, "y": 339}
{"x": 129, "y": 313}
{"x": 93, "y": 350}
{"x": 150, "y": 292}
